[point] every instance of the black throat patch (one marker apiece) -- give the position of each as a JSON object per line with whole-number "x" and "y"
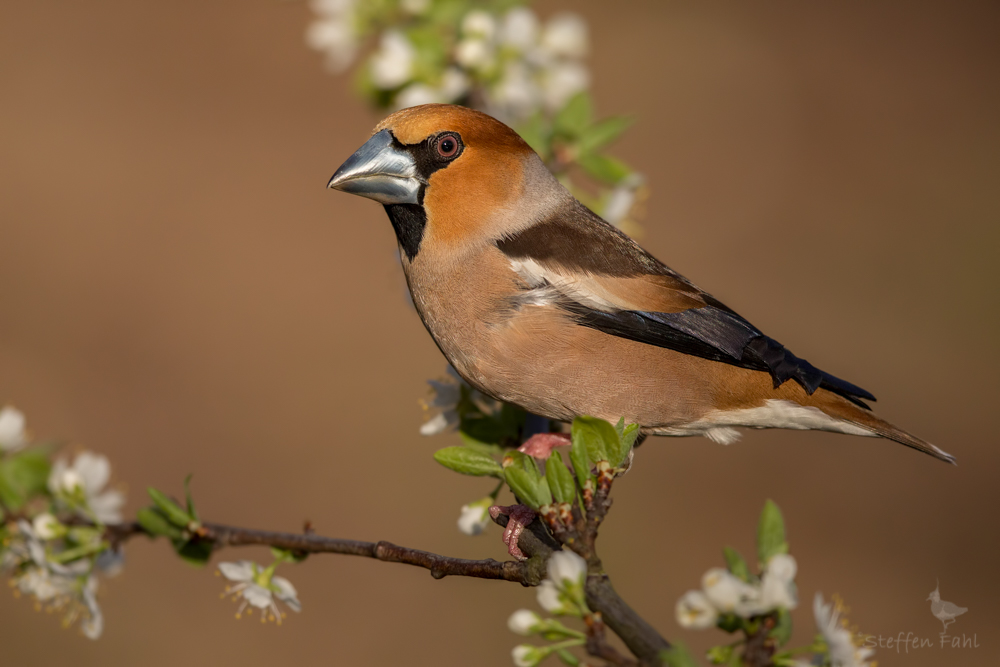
{"x": 408, "y": 221}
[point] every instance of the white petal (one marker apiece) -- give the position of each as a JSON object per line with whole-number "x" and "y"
{"x": 782, "y": 566}
{"x": 439, "y": 423}
{"x": 776, "y": 592}
{"x": 239, "y": 571}
{"x": 479, "y": 24}
{"x": 415, "y": 95}
{"x": 694, "y": 611}
{"x": 566, "y": 36}
{"x": 561, "y": 82}
{"x": 107, "y": 506}
{"x": 520, "y": 29}
{"x": 474, "y": 54}
{"x": 92, "y": 626}
{"x": 523, "y": 622}
{"x": 548, "y": 597}
{"x": 473, "y": 519}
{"x": 525, "y": 655}
{"x": 331, "y": 7}
{"x": 94, "y": 469}
{"x": 258, "y": 596}
{"x": 46, "y": 526}
{"x": 286, "y": 593}
{"x": 12, "y": 433}
{"x": 566, "y": 568}
{"x": 729, "y": 593}
{"x": 392, "y": 64}
{"x": 56, "y": 475}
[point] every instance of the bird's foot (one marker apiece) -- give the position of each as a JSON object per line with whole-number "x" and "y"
{"x": 519, "y": 517}
{"x": 540, "y": 445}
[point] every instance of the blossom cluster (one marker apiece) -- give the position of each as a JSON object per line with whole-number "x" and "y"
{"x": 54, "y": 513}
{"x": 560, "y": 594}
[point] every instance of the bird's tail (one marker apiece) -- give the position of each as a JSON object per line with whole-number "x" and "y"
{"x": 844, "y": 410}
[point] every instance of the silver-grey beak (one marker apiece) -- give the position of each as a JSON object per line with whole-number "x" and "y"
{"x": 379, "y": 171}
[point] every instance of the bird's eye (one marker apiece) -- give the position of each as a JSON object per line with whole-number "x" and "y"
{"x": 447, "y": 145}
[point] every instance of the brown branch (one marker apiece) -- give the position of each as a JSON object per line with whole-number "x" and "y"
{"x": 219, "y": 535}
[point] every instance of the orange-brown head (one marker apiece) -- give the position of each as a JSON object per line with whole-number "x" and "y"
{"x": 450, "y": 177}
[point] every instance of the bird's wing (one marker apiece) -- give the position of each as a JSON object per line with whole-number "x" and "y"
{"x": 953, "y": 609}
{"x": 604, "y": 280}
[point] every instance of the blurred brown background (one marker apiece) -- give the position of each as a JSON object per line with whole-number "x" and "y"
{"x": 180, "y": 292}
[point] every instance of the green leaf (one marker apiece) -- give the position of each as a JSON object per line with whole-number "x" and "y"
{"x": 560, "y": 479}
{"x": 194, "y": 552}
{"x": 600, "y": 438}
{"x": 582, "y": 464}
{"x": 533, "y": 491}
{"x": 170, "y": 509}
{"x": 729, "y": 623}
{"x": 187, "y": 494}
{"x": 604, "y": 168}
{"x": 782, "y": 631}
{"x": 24, "y": 476}
{"x": 630, "y": 434}
{"x": 736, "y": 564}
{"x": 155, "y": 524}
{"x": 567, "y": 658}
{"x": 524, "y": 462}
{"x": 573, "y": 118}
{"x": 536, "y": 132}
{"x": 770, "y": 533}
{"x": 468, "y": 461}
{"x": 677, "y": 656}
{"x": 480, "y": 446}
{"x": 602, "y": 133}
{"x": 720, "y": 655}
{"x": 286, "y": 556}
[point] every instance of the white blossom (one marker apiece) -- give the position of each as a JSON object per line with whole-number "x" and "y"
{"x": 730, "y": 594}
{"x": 87, "y": 476}
{"x": 567, "y": 569}
{"x": 475, "y": 516}
{"x": 622, "y": 198}
{"x": 333, "y": 32}
{"x": 453, "y": 85}
{"x": 844, "y": 652}
{"x": 259, "y": 588}
{"x": 516, "y": 94}
{"x": 524, "y": 622}
{"x": 778, "y": 584}
{"x": 69, "y": 589}
{"x": 694, "y": 611}
{"x": 392, "y": 64}
{"x": 519, "y": 29}
{"x": 527, "y": 655}
{"x": 551, "y": 599}
{"x": 565, "y": 36}
{"x": 12, "y": 429}
{"x": 562, "y": 81}
{"x": 46, "y": 526}
{"x": 479, "y": 23}
{"x": 474, "y": 54}
{"x": 415, "y": 7}
{"x": 446, "y": 395}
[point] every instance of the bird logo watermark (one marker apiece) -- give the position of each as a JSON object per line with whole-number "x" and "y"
{"x": 905, "y": 642}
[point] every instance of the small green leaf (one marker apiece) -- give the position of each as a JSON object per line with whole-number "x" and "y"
{"x": 567, "y": 658}
{"x": 770, "y": 533}
{"x": 630, "y": 434}
{"x": 600, "y": 438}
{"x": 468, "y": 461}
{"x": 24, "y": 476}
{"x": 573, "y": 118}
{"x": 194, "y": 552}
{"x": 782, "y": 631}
{"x": 560, "y": 479}
{"x": 602, "y": 133}
{"x": 677, "y": 656}
{"x": 286, "y": 556}
{"x": 170, "y": 509}
{"x": 720, "y": 655}
{"x": 603, "y": 168}
{"x": 155, "y": 524}
{"x": 479, "y": 446}
{"x": 536, "y": 133}
{"x": 729, "y": 622}
{"x": 187, "y": 494}
{"x": 533, "y": 491}
{"x": 736, "y": 564}
{"x": 582, "y": 464}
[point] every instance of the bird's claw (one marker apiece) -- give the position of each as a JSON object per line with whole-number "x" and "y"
{"x": 540, "y": 445}
{"x": 519, "y": 516}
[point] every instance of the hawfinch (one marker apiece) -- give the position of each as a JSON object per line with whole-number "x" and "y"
{"x": 537, "y": 301}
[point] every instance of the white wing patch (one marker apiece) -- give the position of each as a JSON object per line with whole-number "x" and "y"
{"x": 551, "y": 284}
{"x": 718, "y": 425}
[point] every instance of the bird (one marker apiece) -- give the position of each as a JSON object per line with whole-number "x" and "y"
{"x": 537, "y": 301}
{"x": 946, "y": 612}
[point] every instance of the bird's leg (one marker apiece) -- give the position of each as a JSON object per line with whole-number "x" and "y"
{"x": 540, "y": 445}
{"x": 520, "y": 516}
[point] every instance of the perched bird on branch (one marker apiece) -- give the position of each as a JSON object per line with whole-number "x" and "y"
{"x": 537, "y": 301}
